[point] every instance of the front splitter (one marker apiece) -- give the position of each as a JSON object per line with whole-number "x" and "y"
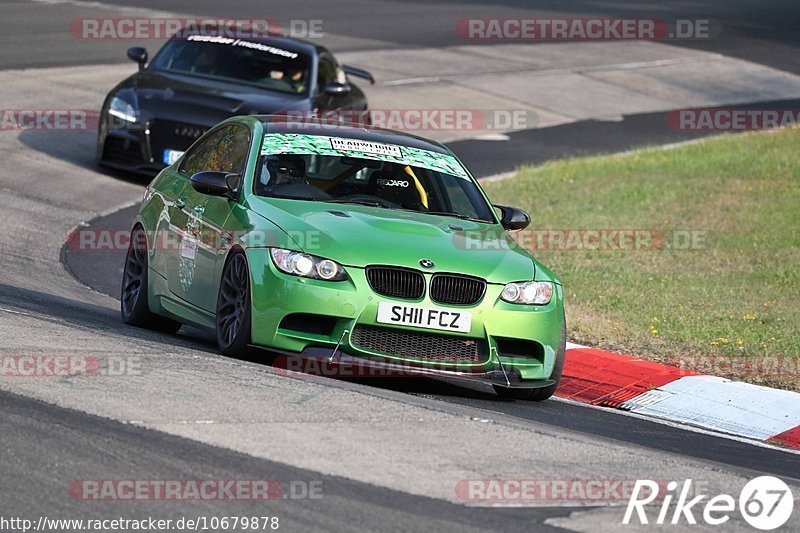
{"x": 370, "y": 368}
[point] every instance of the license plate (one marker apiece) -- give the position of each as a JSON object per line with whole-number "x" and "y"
{"x": 170, "y": 156}
{"x": 424, "y": 317}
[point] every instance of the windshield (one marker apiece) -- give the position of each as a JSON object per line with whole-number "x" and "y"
{"x": 238, "y": 60}
{"x": 380, "y": 175}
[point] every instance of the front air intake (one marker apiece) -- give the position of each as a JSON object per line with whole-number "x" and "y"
{"x": 455, "y": 289}
{"x": 396, "y": 282}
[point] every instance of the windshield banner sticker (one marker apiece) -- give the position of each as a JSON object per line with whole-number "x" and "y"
{"x": 243, "y": 43}
{"x": 296, "y": 143}
{"x": 337, "y": 143}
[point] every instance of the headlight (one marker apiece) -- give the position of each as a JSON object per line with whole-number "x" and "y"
{"x": 307, "y": 266}
{"x": 119, "y": 108}
{"x": 528, "y": 292}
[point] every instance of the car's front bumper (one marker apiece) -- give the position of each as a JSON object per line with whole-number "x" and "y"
{"x": 516, "y": 344}
{"x": 127, "y": 150}
{"x": 141, "y": 149}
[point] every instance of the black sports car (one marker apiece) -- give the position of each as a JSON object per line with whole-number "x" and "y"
{"x": 195, "y": 81}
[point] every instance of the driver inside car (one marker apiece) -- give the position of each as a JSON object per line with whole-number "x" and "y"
{"x": 293, "y": 76}
{"x": 284, "y": 170}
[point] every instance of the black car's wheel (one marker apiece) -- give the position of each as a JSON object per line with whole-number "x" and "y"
{"x": 133, "y": 296}
{"x": 538, "y": 395}
{"x": 233, "y": 307}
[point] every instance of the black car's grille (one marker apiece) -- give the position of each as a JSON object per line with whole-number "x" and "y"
{"x": 167, "y": 134}
{"x": 122, "y": 151}
{"x": 396, "y": 282}
{"x": 456, "y": 289}
{"x": 417, "y": 345}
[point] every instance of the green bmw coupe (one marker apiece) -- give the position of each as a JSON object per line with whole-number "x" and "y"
{"x": 344, "y": 244}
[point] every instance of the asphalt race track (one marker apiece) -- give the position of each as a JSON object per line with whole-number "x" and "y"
{"x": 101, "y": 272}
{"x": 347, "y": 505}
{"x": 765, "y": 33}
{"x": 388, "y": 453}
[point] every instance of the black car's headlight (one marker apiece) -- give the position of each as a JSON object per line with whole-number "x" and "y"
{"x": 528, "y": 292}
{"x": 307, "y": 266}
{"x": 123, "y": 112}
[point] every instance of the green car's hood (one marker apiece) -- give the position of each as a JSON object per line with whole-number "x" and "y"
{"x": 359, "y": 236}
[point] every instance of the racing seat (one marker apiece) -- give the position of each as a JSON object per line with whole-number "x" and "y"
{"x": 399, "y": 190}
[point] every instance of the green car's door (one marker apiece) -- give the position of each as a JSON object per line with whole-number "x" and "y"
{"x": 204, "y": 241}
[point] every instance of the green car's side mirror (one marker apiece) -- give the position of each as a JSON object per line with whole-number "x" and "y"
{"x": 514, "y": 219}
{"x": 214, "y": 183}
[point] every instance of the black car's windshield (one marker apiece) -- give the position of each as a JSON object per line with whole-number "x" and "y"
{"x": 263, "y": 65}
{"x": 376, "y": 183}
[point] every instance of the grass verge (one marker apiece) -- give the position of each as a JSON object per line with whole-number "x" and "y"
{"x": 716, "y": 289}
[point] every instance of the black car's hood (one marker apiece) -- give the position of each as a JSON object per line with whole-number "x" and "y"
{"x": 203, "y": 101}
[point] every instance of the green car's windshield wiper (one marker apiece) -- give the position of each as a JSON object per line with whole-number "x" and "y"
{"x": 369, "y": 203}
{"x": 372, "y": 203}
{"x": 289, "y": 197}
{"x": 456, "y": 215}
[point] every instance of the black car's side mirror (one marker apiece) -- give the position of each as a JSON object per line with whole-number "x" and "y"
{"x": 138, "y": 54}
{"x": 514, "y": 219}
{"x": 214, "y": 183}
{"x": 359, "y": 73}
{"x": 335, "y": 88}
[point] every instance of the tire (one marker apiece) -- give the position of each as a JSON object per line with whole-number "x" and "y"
{"x": 133, "y": 293}
{"x": 234, "y": 307}
{"x": 543, "y": 393}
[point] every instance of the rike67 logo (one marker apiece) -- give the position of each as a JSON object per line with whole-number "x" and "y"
{"x": 766, "y": 503}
